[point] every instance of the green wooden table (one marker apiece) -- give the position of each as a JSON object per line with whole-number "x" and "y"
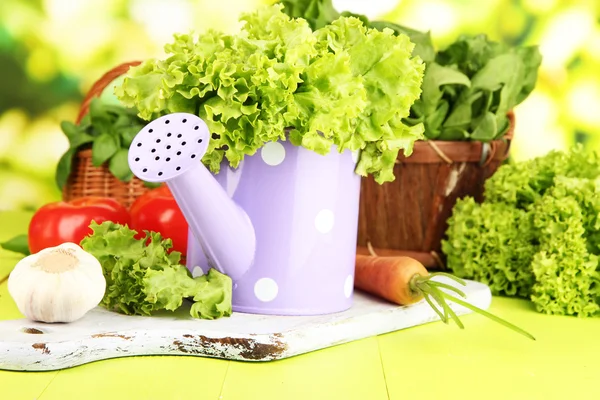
{"x": 484, "y": 362}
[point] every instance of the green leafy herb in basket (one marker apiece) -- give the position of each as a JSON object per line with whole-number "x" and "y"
{"x": 341, "y": 85}
{"x": 108, "y": 130}
{"x": 471, "y": 86}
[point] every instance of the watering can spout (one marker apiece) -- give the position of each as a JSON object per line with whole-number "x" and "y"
{"x": 221, "y": 227}
{"x": 169, "y": 149}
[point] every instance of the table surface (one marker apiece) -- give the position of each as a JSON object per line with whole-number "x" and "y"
{"x": 483, "y": 361}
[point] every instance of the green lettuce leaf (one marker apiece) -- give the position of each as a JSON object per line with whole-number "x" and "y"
{"x": 587, "y": 194}
{"x": 318, "y": 13}
{"x": 536, "y": 234}
{"x": 143, "y": 277}
{"x": 493, "y": 243}
{"x": 387, "y": 69}
{"x": 424, "y": 48}
{"x": 342, "y": 86}
{"x": 567, "y": 280}
{"x": 211, "y": 292}
{"x": 327, "y": 104}
{"x": 211, "y": 299}
{"x": 521, "y": 184}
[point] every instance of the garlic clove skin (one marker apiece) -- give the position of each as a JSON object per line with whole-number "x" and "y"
{"x": 57, "y": 284}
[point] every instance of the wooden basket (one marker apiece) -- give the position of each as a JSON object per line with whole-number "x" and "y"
{"x": 86, "y": 179}
{"x": 407, "y": 217}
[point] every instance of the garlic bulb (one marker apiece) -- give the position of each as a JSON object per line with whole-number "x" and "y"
{"x": 57, "y": 284}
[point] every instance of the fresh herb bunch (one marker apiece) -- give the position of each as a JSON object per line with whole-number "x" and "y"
{"x": 468, "y": 88}
{"x": 108, "y": 129}
{"x": 143, "y": 277}
{"x": 537, "y": 233}
{"x": 471, "y": 86}
{"x": 342, "y": 85}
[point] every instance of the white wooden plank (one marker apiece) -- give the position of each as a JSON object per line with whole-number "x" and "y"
{"x": 101, "y": 334}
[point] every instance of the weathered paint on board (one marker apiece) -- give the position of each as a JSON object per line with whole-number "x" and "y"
{"x": 102, "y": 334}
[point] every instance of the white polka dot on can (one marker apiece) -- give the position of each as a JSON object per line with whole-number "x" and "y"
{"x": 197, "y": 271}
{"x": 273, "y": 153}
{"x": 324, "y": 221}
{"x": 348, "y": 286}
{"x": 266, "y": 289}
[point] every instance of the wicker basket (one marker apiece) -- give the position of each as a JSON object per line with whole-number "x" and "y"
{"x": 408, "y": 217}
{"x": 86, "y": 179}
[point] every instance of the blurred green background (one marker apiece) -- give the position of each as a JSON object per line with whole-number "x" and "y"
{"x": 52, "y": 51}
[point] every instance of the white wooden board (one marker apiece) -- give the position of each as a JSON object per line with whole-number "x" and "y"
{"x": 101, "y": 334}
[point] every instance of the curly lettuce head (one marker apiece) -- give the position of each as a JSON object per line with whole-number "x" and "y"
{"x": 523, "y": 183}
{"x": 567, "y": 281}
{"x": 342, "y": 86}
{"x": 492, "y": 243}
{"x": 537, "y": 234}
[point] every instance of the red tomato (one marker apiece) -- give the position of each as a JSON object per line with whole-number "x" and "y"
{"x": 157, "y": 210}
{"x": 60, "y": 222}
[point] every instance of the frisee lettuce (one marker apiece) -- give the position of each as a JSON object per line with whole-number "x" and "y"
{"x": 142, "y": 276}
{"x": 491, "y": 243}
{"x": 567, "y": 279}
{"x": 537, "y": 233}
{"x": 343, "y": 86}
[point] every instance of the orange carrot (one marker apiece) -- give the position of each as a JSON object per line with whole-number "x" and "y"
{"x": 389, "y": 277}
{"x": 404, "y": 281}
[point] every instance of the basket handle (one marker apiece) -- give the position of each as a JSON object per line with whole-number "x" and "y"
{"x": 101, "y": 84}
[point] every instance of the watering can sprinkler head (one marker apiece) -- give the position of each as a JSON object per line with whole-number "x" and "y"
{"x": 170, "y": 149}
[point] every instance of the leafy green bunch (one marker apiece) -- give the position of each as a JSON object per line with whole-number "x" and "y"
{"x": 142, "y": 276}
{"x": 537, "y": 233}
{"x": 468, "y": 88}
{"x": 342, "y": 86}
{"x": 107, "y": 129}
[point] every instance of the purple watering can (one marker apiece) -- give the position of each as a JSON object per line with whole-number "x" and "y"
{"x": 283, "y": 225}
